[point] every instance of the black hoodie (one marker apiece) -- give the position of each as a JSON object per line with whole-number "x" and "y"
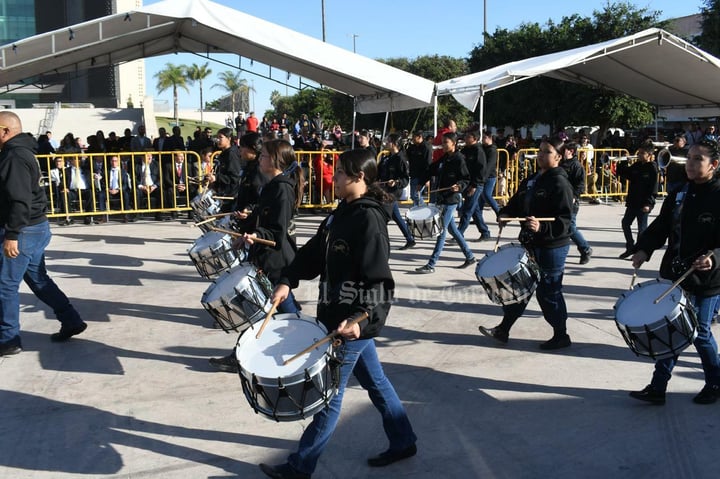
{"x": 350, "y": 253}
{"x": 22, "y": 199}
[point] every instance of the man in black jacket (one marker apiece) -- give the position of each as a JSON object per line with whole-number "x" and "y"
{"x": 419, "y": 155}
{"x": 576, "y": 176}
{"x": 25, "y": 233}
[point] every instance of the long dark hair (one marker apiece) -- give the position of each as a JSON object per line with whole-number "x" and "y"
{"x": 353, "y": 162}
{"x": 283, "y": 158}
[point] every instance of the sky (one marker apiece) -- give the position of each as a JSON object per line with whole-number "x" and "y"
{"x": 385, "y": 29}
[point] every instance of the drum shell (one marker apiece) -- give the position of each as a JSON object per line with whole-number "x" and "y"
{"x": 424, "y": 221}
{"x": 516, "y": 283}
{"x": 212, "y": 254}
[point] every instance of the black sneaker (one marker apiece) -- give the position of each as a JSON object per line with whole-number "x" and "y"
{"x": 66, "y": 333}
{"x": 388, "y": 457}
{"x": 282, "y": 471}
{"x": 484, "y": 238}
{"x": 226, "y": 364}
{"x": 585, "y": 256}
{"x": 9, "y": 349}
{"x": 708, "y": 395}
{"x": 556, "y": 342}
{"x": 495, "y": 333}
{"x": 626, "y": 254}
{"x": 649, "y": 394}
{"x": 427, "y": 269}
{"x": 407, "y": 245}
{"x": 467, "y": 263}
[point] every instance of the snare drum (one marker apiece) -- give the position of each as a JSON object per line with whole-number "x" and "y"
{"x": 212, "y": 253}
{"x": 204, "y": 205}
{"x": 293, "y": 391}
{"x": 424, "y": 221}
{"x": 509, "y": 275}
{"x": 659, "y": 330}
{"x": 238, "y": 298}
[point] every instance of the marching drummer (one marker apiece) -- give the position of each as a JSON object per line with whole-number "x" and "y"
{"x": 546, "y": 194}
{"x": 689, "y": 221}
{"x": 350, "y": 253}
{"x": 226, "y": 181}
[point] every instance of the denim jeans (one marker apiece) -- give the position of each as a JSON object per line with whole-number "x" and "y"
{"x": 400, "y": 221}
{"x": 487, "y": 196}
{"x": 415, "y": 195}
{"x": 470, "y": 209}
{"x": 359, "y": 358}
{"x": 631, "y": 214}
{"x": 704, "y": 344}
{"x": 29, "y": 266}
{"x": 448, "y": 223}
{"x": 577, "y": 237}
{"x": 549, "y": 291}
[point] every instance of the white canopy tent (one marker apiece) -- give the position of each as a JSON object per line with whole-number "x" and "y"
{"x": 205, "y": 27}
{"x": 652, "y": 65}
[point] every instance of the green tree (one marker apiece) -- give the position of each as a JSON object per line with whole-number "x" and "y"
{"x": 197, "y": 73}
{"x": 172, "y": 76}
{"x": 709, "y": 39}
{"x": 233, "y": 84}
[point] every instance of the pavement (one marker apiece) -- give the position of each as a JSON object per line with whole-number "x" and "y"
{"x": 135, "y": 397}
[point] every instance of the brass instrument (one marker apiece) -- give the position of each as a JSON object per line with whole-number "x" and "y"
{"x": 665, "y": 157}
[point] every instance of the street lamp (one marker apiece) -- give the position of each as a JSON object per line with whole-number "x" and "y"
{"x": 354, "y": 36}
{"x": 322, "y": 2}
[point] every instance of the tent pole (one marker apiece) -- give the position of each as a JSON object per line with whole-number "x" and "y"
{"x": 656, "y": 123}
{"x": 352, "y": 141}
{"x": 384, "y": 134}
{"x": 435, "y": 114}
{"x": 481, "y": 115}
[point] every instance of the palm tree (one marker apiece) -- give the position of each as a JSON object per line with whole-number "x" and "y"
{"x": 173, "y": 76}
{"x": 233, "y": 84}
{"x": 198, "y": 73}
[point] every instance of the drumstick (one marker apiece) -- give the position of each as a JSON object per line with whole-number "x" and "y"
{"x": 634, "y": 277}
{"x": 267, "y": 318}
{"x": 525, "y": 219}
{"x": 498, "y": 240}
{"x": 235, "y": 234}
{"x": 680, "y": 280}
{"x": 441, "y": 189}
{"x": 224, "y": 197}
{"x": 327, "y": 338}
{"x": 211, "y": 218}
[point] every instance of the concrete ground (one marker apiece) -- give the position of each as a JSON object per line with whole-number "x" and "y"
{"x": 135, "y": 397}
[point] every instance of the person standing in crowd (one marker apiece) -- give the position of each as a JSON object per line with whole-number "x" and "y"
{"x": 449, "y": 126}
{"x": 675, "y": 176}
{"x": 491, "y": 161}
{"x": 576, "y": 176}
{"x": 475, "y": 159}
{"x": 547, "y": 193}
{"x": 642, "y": 187}
{"x": 226, "y": 180}
{"x": 25, "y": 233}
{"x": 452, "y": 178}
{"x": 271, "y": 220}
{"x": 350, "y": 251}
{"x": 251, "y": 124}
{"x": 689, "y": 221}
{"x": 393, "y": 174}
{"x": 364, "y": 143}
{"x": 419, "y": 155}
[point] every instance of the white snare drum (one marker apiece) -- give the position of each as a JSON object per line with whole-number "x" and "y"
{"x": 293, "y": 391}
{"x": 238, "y": 298}
{"x": 212, "y": 253}
{"x": 204, "y": 205}
{"x": 659, "y": 330}
{"x": 424, "y": 221}
{"x": 509, "y": 275}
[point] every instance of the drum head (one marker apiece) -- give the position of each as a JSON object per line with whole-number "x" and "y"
{"x": 505, "y": 259}
{"x": 225, "y": 284}
{"x": 638, "y": 308}
{"x": 208, "y": 239}
{"x": 284, "y": 337}
{"x": 419, "y": 213}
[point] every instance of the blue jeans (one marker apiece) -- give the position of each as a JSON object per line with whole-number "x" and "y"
{"x": 400, "y": 221}
{"x": 549, "y": 291}
{"x": 631, "y": 214}
{"x": 415, "y": 195}
{"x": 470, "y": 208}
{"x": 448, "y": 223}
{"x": 29, "y": 266}
{"x": 704, "y": 344}
{"x": 487, "y": 196}
{"x": 577, "y": 237}
{"x": 359, "y": 358}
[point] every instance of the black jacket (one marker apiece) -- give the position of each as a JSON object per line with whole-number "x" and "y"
{"x": 694, "y": 232}
{"x": 350, "y": 253}
{"x": 643, "y": 182}
{"x": 22, "y": 199}
{"x": 227, "y": 179}
{"x": 544, "y": 195}
{"x": 576, "y": 177}
{"x": 449, "y": 170}
{"x": 270, "y": 220}
{"x": 419, "y": 158}
{"x": 476, "y": 164}
{"x": 394, "y": 167}
{"x": 491, "y": 158}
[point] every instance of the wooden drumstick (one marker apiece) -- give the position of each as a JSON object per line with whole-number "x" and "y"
{"x": 634, "y": 277}
{"x": 327, "y": 338}
{"x": 497, "y": 243}
{"x": 223, "y": 197}
{"x": 680, "y": 280}
{"x": 267, "y": 318}
{"x": 525, "y": 219}
{"x": 441, "y": 189}
{"x": 211, "y": 218}
{"x": 208, "y": 220}
{"x": 235, "y": 234}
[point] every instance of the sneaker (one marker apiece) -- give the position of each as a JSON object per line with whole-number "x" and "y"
{"x": 467, "y": 263}
{"x": 484, "y": 238}
{"x": 388, "y": 457}
{"x": 10, "y": 349}
{"x": 226, "y": 364}
{"x": 66, "y": 333}
{"x": 425, "y": 269}
{"x": 556, "y": 342}
{"x": 649, "y": 394}
{"x": 585, "y": 256}
{"x": 282, "y": 471}
{"x": 626, "y": 254}
{"x": 495, "y": 333}
{"x": 408, "y": 245}
{"x": 708, "y": 395}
